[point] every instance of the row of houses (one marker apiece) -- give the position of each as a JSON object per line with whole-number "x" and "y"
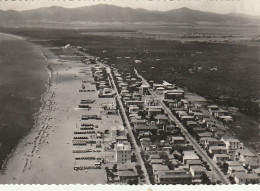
{"x": 149, "y": 124}
{"x": 221, "y": 147}
{"x": 102, "y": 82}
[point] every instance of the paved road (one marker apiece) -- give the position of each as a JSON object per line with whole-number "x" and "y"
{"x": 130, "y": 130}
{"x": 147, "y": 180}
{"x": 218, "y": 173}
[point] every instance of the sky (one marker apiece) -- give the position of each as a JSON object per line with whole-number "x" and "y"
{"x": 251, "y": 7}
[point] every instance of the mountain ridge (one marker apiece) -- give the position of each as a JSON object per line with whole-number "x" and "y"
{"x": 112, "y": 13}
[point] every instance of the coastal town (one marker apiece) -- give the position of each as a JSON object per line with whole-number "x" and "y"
{"x": 101, "y": 125}
{"x": 121, "y": 95}
{"x": 143, "y": 132}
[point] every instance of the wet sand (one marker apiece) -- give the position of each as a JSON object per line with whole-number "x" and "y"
{"x": 23, "y": 78}
{"x": 45, "y": 156}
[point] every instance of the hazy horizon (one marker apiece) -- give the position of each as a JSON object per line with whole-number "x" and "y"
{"x": 219, "y": 7}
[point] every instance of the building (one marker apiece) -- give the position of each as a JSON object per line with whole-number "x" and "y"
{"x": 232, "y": 144}
{"x": 196, "y": 172}
{"x": 117, "y": 131}
{"x": 137, "y": 103}
{"x": 181, "y": 113}
{"x": 125, "y": 172}
{"x": 256, "y": 171}
{"x": 234, "y": 163}
{"x": 154, "y": 110}
{"x": 188, "y": 156}
{"x": 148, "y": 102}
{"x": 220, "y": 158}
{"x": 135, "y": 121}
{"x": 217, "y": 150}
{"x": 198, "y": 115}
{"x": 234, "y": 169}
{"x": 192, "y": 124}
{"x": 226, "y": 119}
{"x": 209, "y": 141}
{"x": 198, "y": 130}
{"x": 145, "y": 143}
{"x": 219, "y": 134}
{"x": 174, "y": 94}
{"x": 123, "y": 153}
{"x": 191, "y": 163}
{"x": 204, "y": 134}
{"x": 121, "y": 139}
{"x": 137, "y": 96}
{"x": 146, "y": 128}
{"x": 161, "y": 119}
{"x": 220, "y": 113}
{"x": 213, "y": 108}
{"x": 168, "y": 85}
{"x": 178, "y": 140}
{"x": 179, "y": 176}
{"x": 159, "y": 167}
{"x": 251, "y": 163}
{"x": 243, "y": 154}
{"x": 144, "y": 90}
{"x": 106, "y": 93}
{"x": 187, "y": 118}
{"x": 133, "y": 109}
{"x": 154, "y": 156}
{"x": 244, "y": 178}
{"x": 157, "y": 161}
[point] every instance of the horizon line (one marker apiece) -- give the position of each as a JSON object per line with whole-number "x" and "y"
{"x": 112, "y": 5}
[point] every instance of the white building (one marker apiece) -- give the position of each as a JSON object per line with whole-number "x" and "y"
{"x": 232, "y": 144}
{"x": 123, "y": 153}
{"x": 117, "y": 131}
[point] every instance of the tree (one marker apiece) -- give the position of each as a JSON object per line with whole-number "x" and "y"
{"x": 164, "y": 156}
{"x": 142, "y": 114}
{"x": 115, "y": 168}
{"x": 112, "y": 176}
{"x": 107, "y": 172}
{"x": 112, "y": 146}
{"x": 133, "y": 157}
{"x": 133, "y": 181}
{"x": 205, "y": 179}
{"x": 170, "y": 165}
{"x": 224, "y": 167}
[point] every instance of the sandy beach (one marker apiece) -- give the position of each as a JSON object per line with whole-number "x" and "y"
{"x": 46, "y": 153}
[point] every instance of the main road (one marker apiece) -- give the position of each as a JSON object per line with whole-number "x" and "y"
{"x": 140, "y": 159}
{"x": 217, "y": 172}
{"x": 129, "y": 128}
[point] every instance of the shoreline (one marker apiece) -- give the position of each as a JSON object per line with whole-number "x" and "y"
{"x": 42, "y": 101}
{"x": 48, "y": 147}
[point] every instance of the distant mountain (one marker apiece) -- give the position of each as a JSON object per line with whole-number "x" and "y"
{"x": 111, "y": 13}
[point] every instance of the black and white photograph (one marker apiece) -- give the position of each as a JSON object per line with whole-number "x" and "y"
{"x": 130, "y": 92}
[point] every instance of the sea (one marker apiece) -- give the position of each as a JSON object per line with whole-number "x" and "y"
{"x": 23, "y": 79}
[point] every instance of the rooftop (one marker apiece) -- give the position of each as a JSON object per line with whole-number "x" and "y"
{"x": 205, "y": 134}
{"x": 197, "y": 168}
{"x": 126, "y": 173}
{"x": 123, "y": 147}
{"x": 177, "y": 138}
{"x": 145, "y": 127}
{"x": 160, "y": 167}
{"x": 189, "y": 155}
{"x": 244, "y": 175}
{"x": 234, "y": 163}
{"x": 220, "y": 155}
{"x": 161, "y": 117}
{"x": 153, "y": 161}
{"x": 217, "y": 148}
